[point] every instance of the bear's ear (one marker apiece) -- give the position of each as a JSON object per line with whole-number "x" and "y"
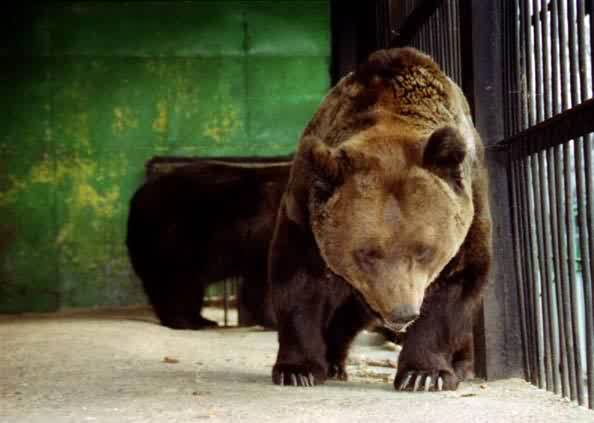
{"x": 444, "y": 154}
{"x": 322, "y": 159}
{"x": 332, "y": 165}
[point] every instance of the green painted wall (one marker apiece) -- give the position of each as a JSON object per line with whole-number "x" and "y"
{"x": 94, "y": 89}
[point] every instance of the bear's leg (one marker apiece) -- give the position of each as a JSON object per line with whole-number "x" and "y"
{"x": 437, "y": 352}
{"x": 255, "y": 296}
{"x": 193, "y": 310}
{"x": 463, "y": 360}
{"x": 304, "y": 299}
{"x": 347, "y": 322}
{"x": 301, "y": 358}
{"x": 178, "y": 303}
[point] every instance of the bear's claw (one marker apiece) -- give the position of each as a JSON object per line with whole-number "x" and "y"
{"x": 296, "y": 380}
{"x": 432, "y": 382}
{"x": 305, "y": 374}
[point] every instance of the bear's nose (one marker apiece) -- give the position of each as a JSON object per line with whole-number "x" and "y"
{"x": 404, "y": 313}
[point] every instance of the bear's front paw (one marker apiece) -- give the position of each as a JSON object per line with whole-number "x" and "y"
{"x": 425, "y": 380}
{"x": 298, "y": 375}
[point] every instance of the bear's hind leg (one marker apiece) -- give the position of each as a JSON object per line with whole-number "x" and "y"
{"x": 178, "y": 302}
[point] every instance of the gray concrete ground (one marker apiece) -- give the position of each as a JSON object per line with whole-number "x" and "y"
{"x": 120, "y": 366}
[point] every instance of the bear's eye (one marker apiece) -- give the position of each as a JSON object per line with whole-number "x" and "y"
{"x": 423, "y": 253}
{"x": 366, "y": 257}
{"x": 322, "y": 191}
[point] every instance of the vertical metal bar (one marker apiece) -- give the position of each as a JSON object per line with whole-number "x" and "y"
{"x": 529, "y": 65}
{"x": 537, "y": 40}
{"x": 421, "y": 39}
{"x": 539, "y": 17}
{"x": 566, "y": 295}
{"x": 437, "y": 53}
{"x": 226, "y": 302}
{"x": 456, "y": 41}
{"x": 435, "y": 39}
{"x": 549, "y": 261}
{"x": 435, "y": 35}
{"x": 573, "y": 295}
{"x": 530, "y": 291}
{"x": 585, "y": 235}
{"x": 547, "y": 277}
{"x": 591, "y": 13}
{"x": 537, "y": 268}
{"x": 548, "y": 207}
{"x": 450, "y": 40}
{"x": 418, "y": 41}
{"x": 442, "y": 38}
{"x": 523, "y": 213}
{"x": 589, "y": 286}
{"x": 565, "y": 185}
{"x": 506, "y": 70}
{"x": 570, "y": 174}
{"x": 533, "y": 259}
{"x": 586, "y": 265}
{"x": 554, "y": 157}
{"x": 522, "y": 76}
{"x": 546, "y": 62}
{"x": 562, "y": 364}
{"x": 528, "y": 274}
{"x": 541, "y": 257}
{"x": 425, "y": 36}
{"x": 519, "y": 262}
{"x": 563, "y": 54}
{"x": 518, "y": 69}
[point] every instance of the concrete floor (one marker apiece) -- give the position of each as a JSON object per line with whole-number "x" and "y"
{"x": 120, "y": 366}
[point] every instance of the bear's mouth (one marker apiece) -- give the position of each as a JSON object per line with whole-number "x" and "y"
{"x": 397, "y": 327}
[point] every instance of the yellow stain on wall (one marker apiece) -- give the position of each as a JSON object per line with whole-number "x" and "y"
{"x": 83, "y": 196}
{"x": 78, "y": 129}
{"x": 123, "y": 120}
{"x": 42, "y": 172}
{"x": 86, "y": 196}
{"x": 222, "y": 125}
{"x": 161, "y": 122}
{"x": 10, "y": 195}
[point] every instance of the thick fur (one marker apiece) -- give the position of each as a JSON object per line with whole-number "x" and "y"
{"x": 386, "y": 209}
{"x": 202, "y": 223}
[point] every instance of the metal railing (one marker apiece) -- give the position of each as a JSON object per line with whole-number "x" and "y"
{"x": 548, "y": 124}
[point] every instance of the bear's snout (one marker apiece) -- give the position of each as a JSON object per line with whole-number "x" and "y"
{"x": 403, "y": 314}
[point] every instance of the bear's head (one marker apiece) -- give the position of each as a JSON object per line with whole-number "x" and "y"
{"x": 389, "y": 210}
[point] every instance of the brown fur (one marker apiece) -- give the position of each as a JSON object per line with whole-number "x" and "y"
{"x": 385, "y": 210}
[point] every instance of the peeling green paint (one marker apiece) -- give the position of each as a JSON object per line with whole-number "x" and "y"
{"x": 77, "y": 125}
{"x": 222, "y": 124}
{"x": 123, "y": 120}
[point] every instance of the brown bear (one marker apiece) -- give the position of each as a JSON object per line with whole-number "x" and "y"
{"x": 201, "y": 223}
{"x": 385, "y": 217}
